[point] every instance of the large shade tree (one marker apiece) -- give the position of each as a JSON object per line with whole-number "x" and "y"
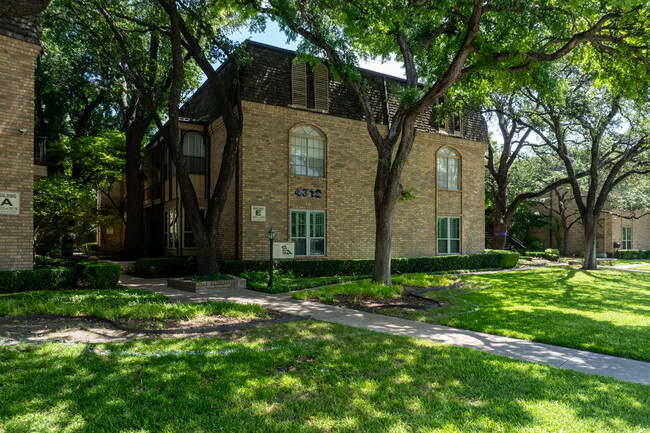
{"x": 440, "y": 44}
{"x": 599, "y": 128}
{"x": 201, "y": 33}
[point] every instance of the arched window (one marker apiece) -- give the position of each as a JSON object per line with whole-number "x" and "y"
{"x": 448, "y": 169}
{"x": 194, "y": 152}
{"x": 307, "y": 151}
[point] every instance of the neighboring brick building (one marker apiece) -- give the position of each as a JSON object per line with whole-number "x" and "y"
{"x": 614, "y": 232}
{"x": 307, "y": 166}
{"x": 19, "y": 47}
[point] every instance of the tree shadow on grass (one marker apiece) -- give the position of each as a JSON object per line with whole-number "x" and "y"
{"x": 307, "y": 377}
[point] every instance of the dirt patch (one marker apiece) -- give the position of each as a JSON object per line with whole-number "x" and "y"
{"x": 44, "y": 328}
{"x": 411, "y": 299}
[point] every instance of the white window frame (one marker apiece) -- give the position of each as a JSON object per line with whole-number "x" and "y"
{"x": 309, "y": 138}
{"x": 308, "y": 238}
{"x": 448, "y": 240}
{"x": 202, "y": 211}
{"x": 170, "y": 230}
{"x": 444, "y": 159}
{"x": 627, "y": 240}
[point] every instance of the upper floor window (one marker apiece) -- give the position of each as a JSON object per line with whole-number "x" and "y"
{"x": 301, "y": 94}
{"x": 449, "y": 123}
{"x": 307, "y": 151}
{"x": 448, "y": 169}
{"x": 194, "y": 152}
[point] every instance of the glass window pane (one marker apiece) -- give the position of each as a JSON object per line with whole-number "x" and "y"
{"x": 442, "y": 228}
{"x": 317, "y": 225}
{"x": 454, "y": 246}
{"x": 442, "y": 172}
{"x": 301, "y": 246}
{"x": 298, "y": 224}
{"x": 317, "y": 247}
{"x": 442, "y": 246}
{"x": 454, "y": 224}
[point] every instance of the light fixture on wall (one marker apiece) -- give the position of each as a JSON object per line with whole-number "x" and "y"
{"x": 22, "y": 131}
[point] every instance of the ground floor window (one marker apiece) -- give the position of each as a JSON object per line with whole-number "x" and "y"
{"x": 448, "y": 235}
{"x": 308, "y": 232}
{"x": 627, "y": 238}
{"x": 188, "y": 235}
{"x": 170, "y": 229}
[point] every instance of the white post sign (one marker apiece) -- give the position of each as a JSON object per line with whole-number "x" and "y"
{"x": 9, "y": 203}
{"x": 283, "y": 250}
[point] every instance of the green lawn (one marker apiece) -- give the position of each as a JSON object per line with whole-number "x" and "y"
{"x": 642, "y": 267}
{"x": 606, "y": 311}
{"x": 303, "y": 377}
{"x": 369, "y": 289}
{"x": 123, "y": 303}
{"x": 258, "y": 280}
{"x": 630, "y": 261}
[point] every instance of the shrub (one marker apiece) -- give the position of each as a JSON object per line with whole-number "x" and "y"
{"x": 167, "y": 266}
{"x": 509, "y": 259}
{"x": 37, "y": 279}
{"x": 552, "y": 251}
{"x": 543, "y": 255}
{"x": 632, "y": 254}
{"x": 98, "y": 275}
{"x": 328, "y": 268}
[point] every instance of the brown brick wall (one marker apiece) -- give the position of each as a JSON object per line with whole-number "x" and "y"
{"x": 348, "y": 189}
{"x": 17, "y": 151}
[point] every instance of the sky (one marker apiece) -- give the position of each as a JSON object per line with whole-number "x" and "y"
{"x": 274, "y": 36}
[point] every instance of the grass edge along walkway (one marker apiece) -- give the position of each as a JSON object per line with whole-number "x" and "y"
{"x": 578, "y": 360}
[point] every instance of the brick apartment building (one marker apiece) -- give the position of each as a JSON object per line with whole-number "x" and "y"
{"x": 616, "y": 230}
{"x": 19, "y": 46}
{"x": 306, "y": 167}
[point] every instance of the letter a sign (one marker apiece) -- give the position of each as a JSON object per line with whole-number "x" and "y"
{"x": 9, "y": 203}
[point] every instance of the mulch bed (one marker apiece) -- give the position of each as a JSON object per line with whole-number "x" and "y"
{"x": 411, "y": 299}
{"x": 44, "y": 327}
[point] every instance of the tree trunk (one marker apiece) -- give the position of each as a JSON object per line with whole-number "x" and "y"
{"x": 565, "y": 240}
{"x": 206, "y": 248}
{"x": 501, "y": 221}
{"x": 590, "y": 228}
{"x": 133, "y": 236}
{"x": 384, "y": 216}
{"x": 499, "y": 236}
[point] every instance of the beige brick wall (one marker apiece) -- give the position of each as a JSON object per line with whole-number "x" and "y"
{"x": 17, "y": 151}
{"x": 347, "y": 195}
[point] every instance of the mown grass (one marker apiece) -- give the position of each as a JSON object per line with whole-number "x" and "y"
{"x": 372, "y": 290}
{"x": 120, "y": 303}
{"x": 642, "y": 267}
{"x": 288, "y": 283}
{"x": 303, "y": 377}
{"x": 605, "y": 311}
{"x": 617, "y": 262}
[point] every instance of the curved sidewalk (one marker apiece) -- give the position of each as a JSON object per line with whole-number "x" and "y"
{"x": 579, "y": 360}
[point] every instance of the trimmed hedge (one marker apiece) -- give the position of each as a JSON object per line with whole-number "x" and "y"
{"x": 509, "y": 259}
{"x": 165, "y": 266}
{"x": 329, "y": 268}
{"x": 37, "y": 279}
{"x": 632, "y": 254}
{"x": 543, "y": 255}
{"x": 90, "y": 275}
{"x": 98, "y": 275}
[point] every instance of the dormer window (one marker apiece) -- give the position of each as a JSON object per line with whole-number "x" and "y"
{"x": 314, "y": 96}
{"x": 450, "y": 124}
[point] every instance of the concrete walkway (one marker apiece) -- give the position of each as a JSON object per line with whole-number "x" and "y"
{"x": 579, "y": 360}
